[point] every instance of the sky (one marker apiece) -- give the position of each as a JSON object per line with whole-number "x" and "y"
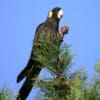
{"x": 19, "y": 19}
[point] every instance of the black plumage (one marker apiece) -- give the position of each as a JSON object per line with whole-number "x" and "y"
{"x": 31, "y": 71}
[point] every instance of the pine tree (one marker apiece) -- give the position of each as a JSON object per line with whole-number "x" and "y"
{"x": 65, "y": 85}
{"x": 7, "y": 94}
{"x": 58, "y": 61}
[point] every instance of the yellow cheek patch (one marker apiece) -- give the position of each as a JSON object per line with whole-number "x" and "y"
{"x": 50, "y": 14}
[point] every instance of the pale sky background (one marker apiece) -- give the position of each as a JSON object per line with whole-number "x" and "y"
{"x": 19, "y": 19}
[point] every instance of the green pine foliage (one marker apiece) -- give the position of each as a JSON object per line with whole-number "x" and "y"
{"x": 6, "y": 94}
{"x": 47, "y": 53}
{"x": 97, "y": 66}
{"x": 64, "y": 85}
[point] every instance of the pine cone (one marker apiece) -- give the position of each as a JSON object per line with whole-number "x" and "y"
{"x": 64, "y": 29}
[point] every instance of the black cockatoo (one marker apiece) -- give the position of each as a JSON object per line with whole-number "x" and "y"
{"x": 31, "y": 71}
